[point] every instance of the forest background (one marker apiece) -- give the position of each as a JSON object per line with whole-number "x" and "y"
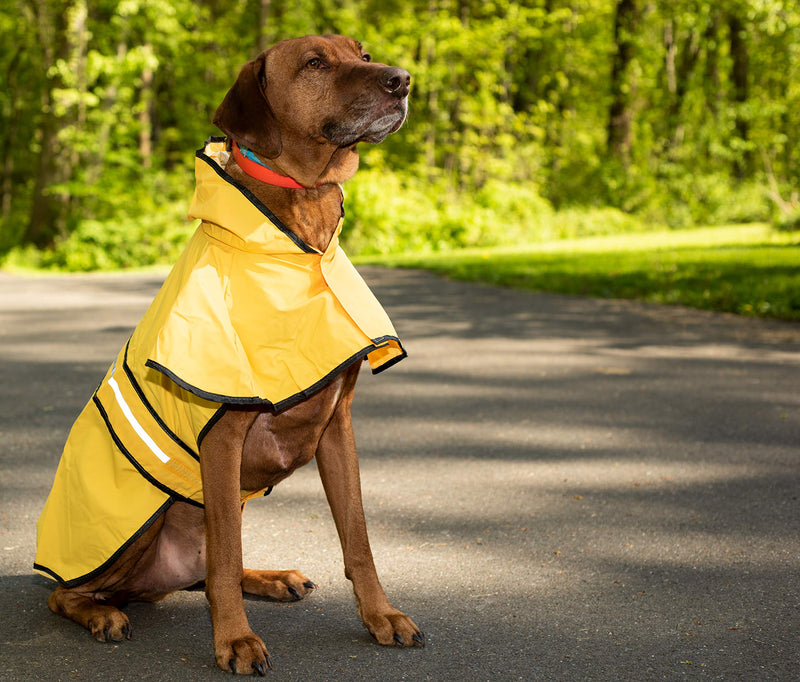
{"x": 528, "y": 120}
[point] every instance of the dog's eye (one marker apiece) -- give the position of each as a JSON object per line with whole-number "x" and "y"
{"x": 366, "y": 57}
{"x": 314, "y": 63}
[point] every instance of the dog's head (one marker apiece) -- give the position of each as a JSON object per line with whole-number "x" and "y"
{"x": 307, "y": 102}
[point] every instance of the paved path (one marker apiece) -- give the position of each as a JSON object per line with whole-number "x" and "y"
{"x": 557, "y": 488}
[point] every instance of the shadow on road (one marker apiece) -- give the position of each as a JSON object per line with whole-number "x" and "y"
{"x": 557, "y": 488}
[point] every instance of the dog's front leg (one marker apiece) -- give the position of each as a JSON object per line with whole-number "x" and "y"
{"x": 338, "y": 468}
{"x": 236, "y": 647}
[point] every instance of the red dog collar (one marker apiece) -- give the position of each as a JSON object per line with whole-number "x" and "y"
{"x": 259, "y": 172}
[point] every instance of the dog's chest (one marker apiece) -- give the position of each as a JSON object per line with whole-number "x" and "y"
{"x": 277, "y": 445}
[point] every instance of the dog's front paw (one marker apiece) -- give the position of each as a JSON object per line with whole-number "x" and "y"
{"x": 393, "y": 628}
{"x": 245, "y": 655}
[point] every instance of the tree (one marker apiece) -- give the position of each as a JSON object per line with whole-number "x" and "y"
{"x": 620, "y": 113}
{"x": 666, "y": 108}
{"x": 740, "y": 79}
{"x": 56, "y": 44}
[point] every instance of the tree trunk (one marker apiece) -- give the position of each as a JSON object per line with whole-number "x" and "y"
{"x": 96, "y": 165}
{"x": 740, "y": 76}
{"x": 46, "y": 210}
{"x": 428, "y": 50}
{"x": 263, "y": 19}
{"x": 45, "y": 217}
{"x": 145, "y": 117}
{"x": 711, "y": 77}
{"x": 620, "y": 115}
{"x": 680, "y": 62}
{"x": 9, "y": 135}
{"x": 78, "y": 48}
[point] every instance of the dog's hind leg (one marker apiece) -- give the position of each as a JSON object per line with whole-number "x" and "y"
{"x": 278, "y": 585}
{"x": 106, "y": 623}
{"x": 168, "y": 556}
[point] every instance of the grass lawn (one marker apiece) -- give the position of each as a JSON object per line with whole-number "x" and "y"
{"x": 749, "y": 270}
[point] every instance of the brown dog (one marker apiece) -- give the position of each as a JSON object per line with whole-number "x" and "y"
{"x": 302, "y": 106}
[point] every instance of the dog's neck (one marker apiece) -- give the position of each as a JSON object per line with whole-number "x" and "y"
{"x": 257, "y": 169}
{"x": 314, "y": 162}
{"x": 311, "y": 213}
{"x": 311, "y": 205}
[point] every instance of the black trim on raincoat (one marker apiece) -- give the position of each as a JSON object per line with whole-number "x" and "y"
{"x": 286, "y": 403}
{"x": 110, "y": 561}
{"x": 200, "y": 154}
{"x": 135, "y": 384}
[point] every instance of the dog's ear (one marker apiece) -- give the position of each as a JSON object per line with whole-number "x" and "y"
{"x": 245, "y": 113}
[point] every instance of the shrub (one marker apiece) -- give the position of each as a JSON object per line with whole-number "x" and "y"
{"x": 572, "y": 223}
{"x": 787, "y": 220}
{"x": 129, "y": 242}
{"x": 387, "y": 213}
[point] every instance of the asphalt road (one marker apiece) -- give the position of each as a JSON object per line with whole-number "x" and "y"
{"x": 557, "y": 489}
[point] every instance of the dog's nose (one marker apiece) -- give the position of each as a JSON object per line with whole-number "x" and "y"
{"x": 395, "y": 81}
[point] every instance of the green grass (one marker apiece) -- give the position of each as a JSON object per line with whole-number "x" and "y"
{"x": 748, "y": 270}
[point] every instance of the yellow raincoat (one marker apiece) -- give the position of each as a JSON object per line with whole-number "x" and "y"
{"x": 250, "y": 314}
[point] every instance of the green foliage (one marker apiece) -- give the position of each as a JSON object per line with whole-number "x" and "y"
{"x": 117, "y": 244}
{"x": 683, "y": 201}
{"x": 391, "y": 213}
{"x": 787, "y": 221}
{"x": 507, "y": 140}
{"x": 573, "y": 223}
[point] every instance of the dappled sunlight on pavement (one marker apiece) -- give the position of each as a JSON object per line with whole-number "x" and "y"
{"x": 556, "y": 488}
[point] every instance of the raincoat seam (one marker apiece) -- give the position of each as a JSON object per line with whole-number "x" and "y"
{"x": 284, "y": 404}
{"x": 51, "y": 573}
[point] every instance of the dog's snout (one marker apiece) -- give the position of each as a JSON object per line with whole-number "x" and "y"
{"x": 395, "y": 81}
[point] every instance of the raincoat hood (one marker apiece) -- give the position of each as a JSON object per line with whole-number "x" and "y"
{"x": 251, "y": 313}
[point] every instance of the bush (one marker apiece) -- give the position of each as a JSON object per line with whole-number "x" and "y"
{"x": 133, "y": 241}
{"x": 389, "y": 213}
{"x": 573, "y": 223}
{"x": 787, "y": 220}
{"x": 517, "y": 214}
{"x": 684, "y": 201}
{"x": 384, "y": 214}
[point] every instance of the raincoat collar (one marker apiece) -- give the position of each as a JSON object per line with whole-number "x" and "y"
{"x": 257, "y": 229}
